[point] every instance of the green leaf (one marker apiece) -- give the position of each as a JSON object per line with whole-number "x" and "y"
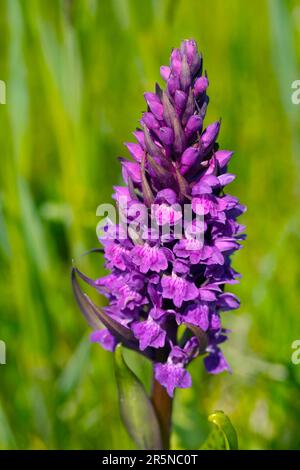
{"x": 223, "y": 435}
{"x": 136, "y": 408}
{"x": 7, "y": 438}
{"x": 94, "y": 314}
{"x": 75, "y": 368}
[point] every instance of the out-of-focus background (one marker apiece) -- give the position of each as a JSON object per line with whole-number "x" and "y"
{"x": 75, "y": 73}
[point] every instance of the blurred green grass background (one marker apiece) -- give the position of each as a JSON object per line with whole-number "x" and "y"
{"x": 75, "y": 72}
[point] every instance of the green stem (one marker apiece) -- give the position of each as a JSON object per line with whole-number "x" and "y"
{"x": 162, "y": 403}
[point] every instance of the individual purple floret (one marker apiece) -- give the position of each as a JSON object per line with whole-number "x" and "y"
{"x": 158, "y": 281}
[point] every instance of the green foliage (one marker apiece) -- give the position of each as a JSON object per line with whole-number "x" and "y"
{"x": 223, "y": 435}
{"x": 135, "y": 406}
{"x": 75, "y": 73}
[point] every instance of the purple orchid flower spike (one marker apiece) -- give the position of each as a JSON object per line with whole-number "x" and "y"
{"x": 158, "y": 282}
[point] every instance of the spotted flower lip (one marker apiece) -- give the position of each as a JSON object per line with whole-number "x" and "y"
{"x": 178, "y": 289}
{"x": 157, "y": 282}
{"x": 149, "y": 258}
{"x": 149, "y": 333}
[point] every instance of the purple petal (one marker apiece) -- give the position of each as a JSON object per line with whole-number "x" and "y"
{"x": 200, "y": 86}
{"x": 166, "y": 195}
{"x": 149, "y": 258}
{"x": 196, "y": 314}
{"x": 139, "y": 135}
{"x": 208, "y": 204}
{"x": 189, "y": 48}
{"x": 172, "y": 376}
{"x": 173, "y": 84}
{"x": 149, "y": 333}
{"x": 105, "y": 339}
{"x": 193, "y": 125}
{"x": 228, "y": 301}
{"x": 121, "y": 192}
{"x": 176, "y": 61}
{"x": 227, "y": 244}
{"x": 115, "y": 254}
{"x": 188, "y": 159}
{"x": 185, "y": 74}
{"x": 223, "y": 157}
{"x": 135, "y": 150}
{"x": 165, "y": 214}
{"x": 166, "y": 135}
{"x": 131, "y": 169}
{"x": 180, "y": 99}
{"x": 189, "y": 248}
{"x": 157, "y": 313}
{"x": 155, "y": 105}
{"x": 180, "y": 267}
{"x": 165, "y": 72}
{"x": 149, "y": 120}
{"x": 210, "y": 134}
{"x": 215, "y": 322}
{"x": 205, "y": 185}
{"x": 207, "y": 295}
{"x": 216, "y": 363}
{"x": 178, "y": 289}
{"x": 226, "y": 178}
